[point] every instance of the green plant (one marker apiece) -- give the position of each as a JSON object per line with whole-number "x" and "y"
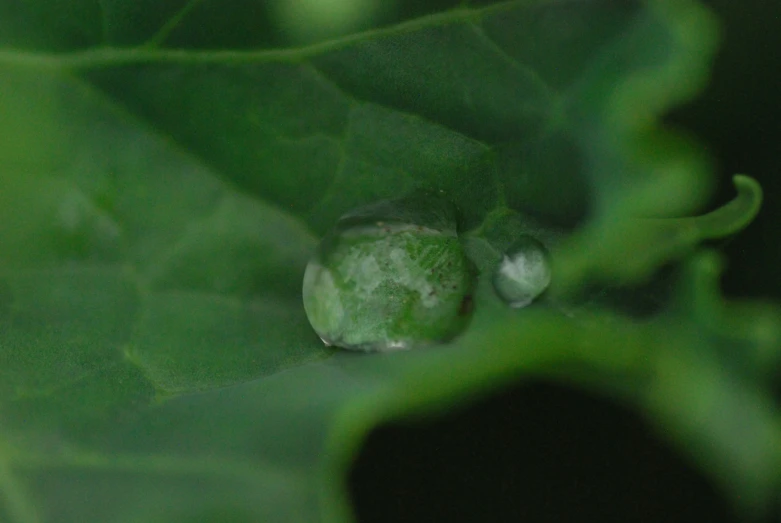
{"x": 162, "y": 191}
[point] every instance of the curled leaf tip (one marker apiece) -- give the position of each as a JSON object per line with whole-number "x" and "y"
{"x": 749, "y": 188}
{"x": 735, "y": 215}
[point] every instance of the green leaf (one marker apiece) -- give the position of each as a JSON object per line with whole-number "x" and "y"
{"x": 159, "y": 202}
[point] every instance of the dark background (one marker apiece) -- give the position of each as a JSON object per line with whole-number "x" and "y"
{"x": 543, "y": 453}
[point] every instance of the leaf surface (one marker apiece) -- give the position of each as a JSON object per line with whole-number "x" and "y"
{"x": 161, "y": 198}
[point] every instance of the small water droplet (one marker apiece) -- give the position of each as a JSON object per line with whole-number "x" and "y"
{"x": 523, "y": 273}
{"x": 390, "y": 276}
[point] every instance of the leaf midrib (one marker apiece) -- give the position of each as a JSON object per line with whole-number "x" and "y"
{"x": 113, "y": 56}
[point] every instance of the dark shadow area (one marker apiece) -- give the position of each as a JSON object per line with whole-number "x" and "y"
{"x": 539, "y": 453}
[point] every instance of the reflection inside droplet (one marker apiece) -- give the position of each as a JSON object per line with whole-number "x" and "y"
{"x": 389, "y": 276}
{"x": 523, "y": 273}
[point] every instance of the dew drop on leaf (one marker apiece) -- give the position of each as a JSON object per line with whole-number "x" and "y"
{"x": 523, "y": 273}
{"x": 391, "y": 275}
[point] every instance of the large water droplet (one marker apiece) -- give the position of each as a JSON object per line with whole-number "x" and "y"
{"x": 523, "y": 273}
{"x": 392, "y": 275}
